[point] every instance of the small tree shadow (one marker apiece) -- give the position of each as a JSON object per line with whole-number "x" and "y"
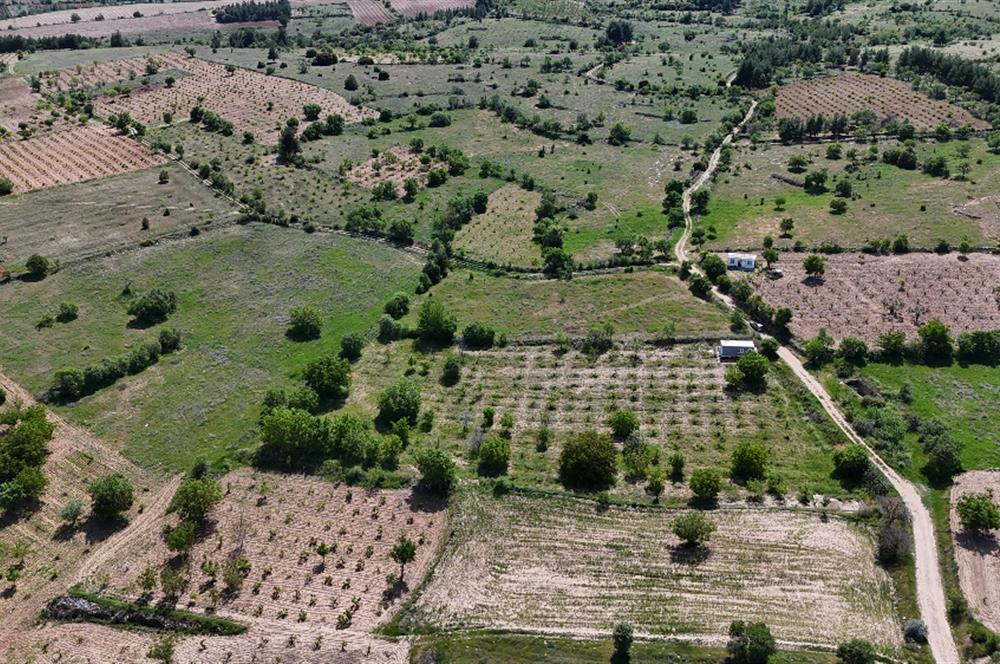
{"x": 689, "y": 555}
{"x": 813, "y": 281}
{"x": 96, "y": 529}
{"x": 983, "y": 544}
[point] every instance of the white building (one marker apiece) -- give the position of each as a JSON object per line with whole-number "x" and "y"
{"x": 746, "y": 262}
{"x": 733, "y": 349}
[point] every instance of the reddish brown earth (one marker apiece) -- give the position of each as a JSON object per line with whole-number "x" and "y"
{"x": 370, "y": 12}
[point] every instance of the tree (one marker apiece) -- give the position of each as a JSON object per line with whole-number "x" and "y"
{"x": 623, "y": 423}
{"x": 771, "y": 255}
{"x": 304, "y": 323}
{"x": 692, "y": 528}
{"x": 977, "y": 512}
{"x": 706, "y": 483}
{"x": 437, "y": 470}
{"x": 753, "y": 368}
{"x": 110, "y": 495}
{"x": 622, "y": 638}
{"x": 588, "y": 460}
{"x": 856, "y": 651}
{"x": 750, "y": 643}
{"x": 815, "y": 182}
{"x": 838, "y": 205}
{"x": 478, "y": 336}
{"x": 814, "y": 265}
{"x": 798, "y": 163}
{"x": 195, "y": 498}
{"x": 289, "y": 147}
{"x": 398, "y": 305}
{"x": 403, "y": 553}
{"x": 851, "y": 462}
{"x": 853, "y": 350}
{"x": 451, "y": 372}
{"x": 619, "y": 32}
{"x": 935, "y": 341}
{"x": 311, "y": 111}
{"x": 181, "y": 537}
{"x": 787, "y": 225}
{"x": 351, "y": 83}
{"x": 749, "y": 460}
{"x": 494, "y": 455}
{"x": 153, "y": 307}
{"x": 70, "y": 514}
{"x": 619, "y": 134}
{"x": 329, "y": 377}
{"x": 351, "y": 346}
{"x": 435, "y": 325}
{"x": 400, "y": 401}
{"x": 713, "y": 266}
{"x": 37, "y": 265}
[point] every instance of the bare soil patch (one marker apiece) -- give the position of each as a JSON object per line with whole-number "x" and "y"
{"x": 978, "y": 556}
{"x": 986, "y": 211}
{"x": 178, "y": 22}
{"x": 504, "y": 233}
{"x": 566, "y": 567}
{"x": 886, "y": 97}
{"x": 250, "y": 100}
{"x": 72, "y": 155}
{"x": 864, "y": 296}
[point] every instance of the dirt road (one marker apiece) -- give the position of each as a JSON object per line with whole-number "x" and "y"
{"x": 930, "y": 589}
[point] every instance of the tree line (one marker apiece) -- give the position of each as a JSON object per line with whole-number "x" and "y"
{"x": 243, "y": 12}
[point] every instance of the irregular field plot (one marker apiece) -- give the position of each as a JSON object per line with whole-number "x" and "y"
{"x": 73, "y": 155}
{"x": 103, "y": 215}
{"x": 411, "y": 8}
{"x": 864, "y": 296}
{"x": 276, "y": 522}
{"x": 503, "y": 234}
{"x": 396, "y": 165}
{"x": 642, "y": 301}
{"x": 976, "y": 555}
{"x": 110, "y": 13}
{"x": 172, "y": 23}
{"x": 235, "y": 288}
{"x": 370, "y": 12}
{"x": 241, "y": 97}
{"x": 677, "y": 393}
{"x": 886, "y": 97}
{"x": 562, "y": 566}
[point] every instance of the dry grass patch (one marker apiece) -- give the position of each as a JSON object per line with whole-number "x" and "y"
{"x": 395, "y": 165}
{"x": 886, "y": 97}
{"x": 72, "y": 155}
{"x": 504, "y": 234}
{"x": 977, "y": 555}
{"x": 566, "y": 567}
{"x": 864, "y": 296}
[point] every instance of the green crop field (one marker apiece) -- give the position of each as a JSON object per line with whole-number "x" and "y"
{"x": 235, "y": 288}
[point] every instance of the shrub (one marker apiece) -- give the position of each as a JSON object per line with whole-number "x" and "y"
{"x": 692, "y": 528}
{"x": 37, "y": 266}
{"x": 588, "y": 460}
{"x": 856, "y": 651}
{"x": 351, "y": 346}
{"x": 915, "y": 630}
{"x": 67, "y": 312}
{"x": 304, "y": 323}
{"x": 389, "y": 329}
{"x": 452, "y": 371}
{"x": 750, "y": 643}
{"x": 398, "y": 305}
{"x": 181, "y": 537}
{"x": 71, "y": 512}
{"x": 851, "y": 462}
{"x": 153, "y": 307}
{"x": 478, "y": 336}
{"x": 978, "y": 512}
{"x": 749, "y": 460}
{"x": 494, "y": 455}
{"x": 329, "y": 377}
{"x": 400, "y": 401}
{"x": 894, "y": 543}
{"x": 623, "y": 423}
{"x": 935, "y": 342}
{"x": 439, "y": 119}
{"x": 622, "y": 638}
{"x": 110, "y": 495}
{"x": 6, "y": 187}
{"x": 435, "y": 325}
{"x": 437, "y": 470}
{"x": 706, "y": 483}
{"x": 194, "y": 498}
{"x": 600, "y": 339}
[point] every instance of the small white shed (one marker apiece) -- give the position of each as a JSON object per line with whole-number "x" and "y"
{"x": 734, "y": 349}
{"x": 747, "y": 262}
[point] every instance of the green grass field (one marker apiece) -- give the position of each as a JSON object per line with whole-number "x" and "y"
{"x": 235, "y": 289}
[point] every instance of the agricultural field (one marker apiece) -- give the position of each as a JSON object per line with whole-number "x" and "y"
{"x": 370, "y": 12}
{"x": 885, "y": 201}
{"x": 72, "y": 155}
{"x": 677, "y": 393}
{"x": 503, "y": 235}
{"x": 886, "y": 97}
{"x": 100, "y": 216}
{"x": 394, "y": 166}
{"x": 413, "y": 8}
{"x": 561, "y": 567}
{"x": 864, "y": 296}
{"x": 978, "y": 566}
{"x": 235, "y": 288}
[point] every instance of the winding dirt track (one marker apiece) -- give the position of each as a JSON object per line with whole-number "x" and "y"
{"x": 930, "y": 589}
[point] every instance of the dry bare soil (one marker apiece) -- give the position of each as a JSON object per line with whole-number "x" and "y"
{"x": 292, "y": 597}
{"x": 886, "y": 97}
{"x": 978, "y": 556}
{"x": 863, "y": 296}
{"x": 567, "y": 567}
{"x": 396, "y": 165}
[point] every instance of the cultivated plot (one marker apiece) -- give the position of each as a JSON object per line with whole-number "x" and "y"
{"x": 976, "y": 554}
{"x": 503, "y": 235}
{"x": 71, "y": 155}
{"x": 370, "y": 12}
{"x": 565, "y": 567}
{"x": 863, "y": 296}
{"x": 413, "y": 8}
